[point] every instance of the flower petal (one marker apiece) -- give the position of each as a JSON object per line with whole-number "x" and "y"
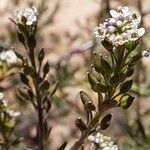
{"x": 141, "y": 32}
{"x": 114, "y": 13}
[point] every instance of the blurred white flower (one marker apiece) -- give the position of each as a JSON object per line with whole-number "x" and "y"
{"x": 29, "y": 14}
{"x": 9, "y": 57}
{"x": 104, "y": 142}
{"x": 134, "y": 35}
{"x": 13, "y": 113}
{"x": 146, "y": 54}
{"x": 123, "y": 27}
{"x": 115, "y": 14}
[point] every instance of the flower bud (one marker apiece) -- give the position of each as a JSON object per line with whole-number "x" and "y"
{"x": 112, "y": 21}
{"x": 119, "y": 23}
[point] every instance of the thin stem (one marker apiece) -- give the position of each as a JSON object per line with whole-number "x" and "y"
{"x": 40, "y": 117}
{"x": 85, "y": 134}
{"x": 39, "y": 104}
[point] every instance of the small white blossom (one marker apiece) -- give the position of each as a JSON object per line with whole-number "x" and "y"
{"x": 29, "y": 13}
{"x": 134, "y": 35}
{"x": 13, "y": 113}
{"x": 146, "y": 54}
{"x": 9, "y": 57}
{"x": 104, "y": 142}
{"x": 122, "y": 27}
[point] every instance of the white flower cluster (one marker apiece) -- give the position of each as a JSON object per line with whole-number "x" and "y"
{"x": 29, "y": 14}
{"x": 104, "y": 142}
{"x": 122, "y": 27}
{"x": 10, "y": 112}
{"x": 146, "y": 54}
{"x": 9, "y": 57}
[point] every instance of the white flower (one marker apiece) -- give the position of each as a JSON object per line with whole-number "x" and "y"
{"x": 9, "y": 57}
{"x": 126, "y": 12}
{"x": 115, "y": 14}
{"x": 122, "y": 27}
{"x": 114, "y": 147}
{"x": 134, "y": 35}
{"x": 3, "y": 56}
{"x": 112, "y": 21}
{"x": 104, "y": 142}
{"x": 13, "y": 113}
{"x": 29, "y": 13}
{"x": 146, "y": 54}
{"x": 91, "y": 138}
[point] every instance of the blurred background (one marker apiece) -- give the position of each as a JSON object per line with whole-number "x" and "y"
{"x": 65, "y": 31}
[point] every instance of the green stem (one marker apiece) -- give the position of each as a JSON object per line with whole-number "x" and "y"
{"x": 85, "y": 134}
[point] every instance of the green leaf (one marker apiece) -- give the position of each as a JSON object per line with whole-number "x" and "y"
{"x": 132, "y": 45}
{"x": 126, "y": 100}
{"x": 41, "y": 55}
{"x": 116, "y": 79}
{"x": 106, "y": 66}
{"x": 23, "y": 93}
{"x": 108, "y": 104}
{"x": 105, "y": 122}
{"x": 21, "y": 38}
{"x": 46, "y": 69}
{"x": 45, "y": 85}
{"x": 91, "y": 80}
{"x": 31, "y": 42}
{"x": 87, "y": 101}
{"x": 54, "y": 89}
{"x": 85, "y": 97}
{"x": 97, "y": 62}
{"x": 126, "y": 86}
{"x": 100, "y": 87}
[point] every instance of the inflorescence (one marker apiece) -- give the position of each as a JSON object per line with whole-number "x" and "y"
{"x": 122, "y": 27}
{"x": 8, "y": 57}
{"x": 104, "y": 142}
{"x": 27, "y": 16}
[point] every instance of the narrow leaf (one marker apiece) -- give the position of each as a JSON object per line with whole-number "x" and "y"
{"x": 105, "y": 122}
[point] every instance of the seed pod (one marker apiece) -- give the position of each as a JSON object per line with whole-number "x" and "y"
{"x": 46, "y": 69}
{"x": 44, "y": 85}
{"x": 107, "y": 45}
{"x": 105, "y": 122}
{"x": 23, "y": 93}
{"x": 41, "y": 55}
{"x": 80, "y": 124}
{"x": 89, "y": 106}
